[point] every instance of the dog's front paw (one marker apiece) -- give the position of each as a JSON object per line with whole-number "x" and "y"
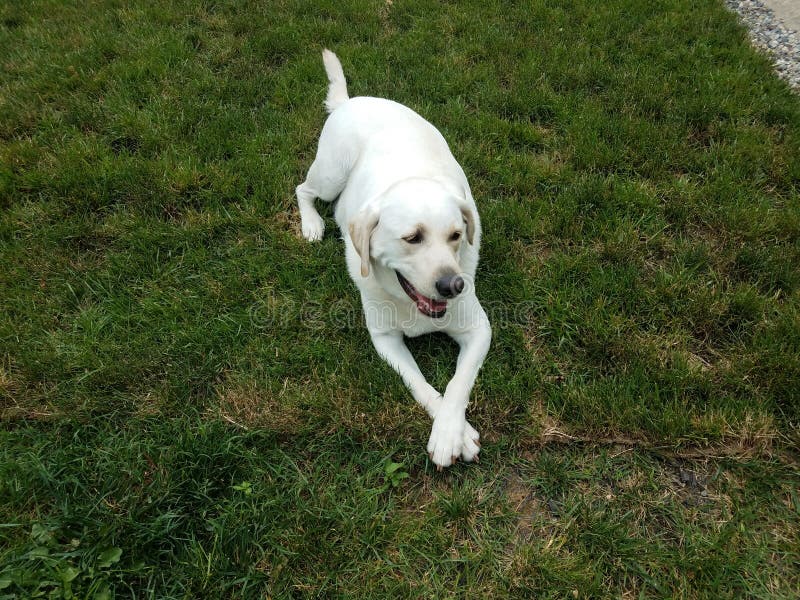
{"x": 313, "y": 227}
{"x": 471, "y": 444}
{"x": 446, "y": 441}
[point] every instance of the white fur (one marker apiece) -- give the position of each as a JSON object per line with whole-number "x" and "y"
{"x": 337, "y": 90}
{"x": 393, "y": 174}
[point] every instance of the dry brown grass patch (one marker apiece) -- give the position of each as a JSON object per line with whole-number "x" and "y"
{"x": 754, "y": 437}
{"x": 21, "y": 400}
{"x": 248, "y": 406}
{"x": 290, "y": 221}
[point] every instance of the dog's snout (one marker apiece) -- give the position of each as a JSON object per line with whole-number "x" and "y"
{"x": 450, "y": 286}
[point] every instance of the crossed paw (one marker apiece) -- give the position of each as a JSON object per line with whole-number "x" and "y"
{"x": 452, "y": 437}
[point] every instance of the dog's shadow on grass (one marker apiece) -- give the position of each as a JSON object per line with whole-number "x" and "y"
{"x": 436, "y": 355}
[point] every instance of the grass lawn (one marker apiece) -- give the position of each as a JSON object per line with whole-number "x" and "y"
{"x": 190, "y": 406}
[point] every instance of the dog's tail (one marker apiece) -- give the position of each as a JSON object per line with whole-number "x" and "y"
{"x": 337, "y": 90}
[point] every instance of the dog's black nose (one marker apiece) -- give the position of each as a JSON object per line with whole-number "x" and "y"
{"x": 450, "y": 286}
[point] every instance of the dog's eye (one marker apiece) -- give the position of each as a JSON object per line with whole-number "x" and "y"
{"x": 414, "y": 239}
{"x": 456, "y": 236}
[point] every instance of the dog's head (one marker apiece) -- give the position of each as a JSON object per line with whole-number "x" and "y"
{"x": 411, "y": 236}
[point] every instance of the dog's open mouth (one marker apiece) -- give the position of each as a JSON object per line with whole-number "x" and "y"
{"x": 427, "y": 306}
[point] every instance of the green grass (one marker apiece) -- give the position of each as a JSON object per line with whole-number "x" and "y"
{"x": 189, "y": 403}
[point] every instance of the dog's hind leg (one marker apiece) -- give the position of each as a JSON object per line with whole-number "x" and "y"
{"x": 328, "y": 174}
{"x": 325, "y": 180}
{"x": 311, "y": 223}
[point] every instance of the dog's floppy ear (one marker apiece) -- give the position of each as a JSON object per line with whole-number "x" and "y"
{"x": 467, "y": 212}
{"x": 361, "y": 228}
{"x": 469, "y": 219}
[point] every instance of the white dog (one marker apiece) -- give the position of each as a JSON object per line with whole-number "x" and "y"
{"x": 411, "y": 233}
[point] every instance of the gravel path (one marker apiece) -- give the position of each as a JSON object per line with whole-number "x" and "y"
{"x": 769, "y": 32}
